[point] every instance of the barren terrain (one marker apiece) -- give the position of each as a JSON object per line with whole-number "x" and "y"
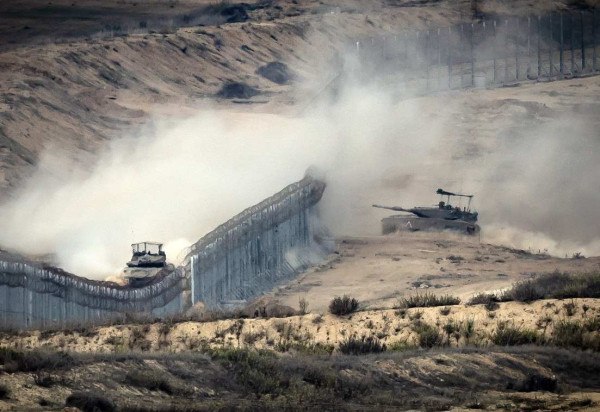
{"x": 76, "y": 76}
{"x": 380, "y": 269}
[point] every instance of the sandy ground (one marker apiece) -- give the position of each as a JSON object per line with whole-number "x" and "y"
{"x": 390, "y": 326}
{"x": 378, "y": 270}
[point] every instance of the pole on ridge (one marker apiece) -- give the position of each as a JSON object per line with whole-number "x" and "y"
{"x": 582, "y": 27}
{"x": 449, "y": 58}
{"x": 561, "y": 55}
{"x": 472, "y": 56}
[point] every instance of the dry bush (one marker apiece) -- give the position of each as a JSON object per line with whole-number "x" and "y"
{"x": 156, "y": 380}
{"x": 252, "y": 337}
{"x": 90, "y": 401}
{"x": 491, "y": 306}
{"x": 35, "y": 360}
{"x": 317, "y": 319}
{"x": 364, "y": 345}
{"x": 570, "y": 308}
{"x": 506, "y": 335}
{"x": 343, "y": 306}
{"x": 427, "y": 300}
{"x": 428, "y": 336}
{"x": 4, "y": 391}
{"x": 576, "y": 334}
{"x": 303, "y": 305}
{"x": 483, "y": 299}
{"x": 557, "y": 286}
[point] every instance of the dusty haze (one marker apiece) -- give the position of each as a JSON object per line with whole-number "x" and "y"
{"x": 530, "y": 157}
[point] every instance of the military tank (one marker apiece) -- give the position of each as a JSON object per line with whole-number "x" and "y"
{"x": 444, "y": 216}
{"x": 148, "y": 259}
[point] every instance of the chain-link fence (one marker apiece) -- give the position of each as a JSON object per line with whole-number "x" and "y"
{"x": 487, "y": 53}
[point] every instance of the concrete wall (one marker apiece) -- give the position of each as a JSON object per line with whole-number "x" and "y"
{"x": 34, "y": 297}
{"x": 243, "y": 257}
{"x": 258, "y": 248}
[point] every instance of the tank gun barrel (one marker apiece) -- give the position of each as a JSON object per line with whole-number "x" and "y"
{"x": 395, "y": 208}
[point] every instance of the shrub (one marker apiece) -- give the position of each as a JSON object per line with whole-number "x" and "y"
{"x": 4, "y": 391}
{"x": 537, "y": 382}
{"x": 445, "y": 311}
{"x": 155, "y": 381}
{"x": 450, "y": 327}
{"x": 525, "y": 291}
{"x": 90, "y": 402}
{"x": 509, "y": 336}
{"x": 303, "y": 305}
{"x": 317, "y": 319}
{"x": 467, "y": 328}
{"x": 428, "y": 336}
{"x": 343, "y": 306}
{"x": 400, "y": 346}
{"x": 31, "y": 361}
{"x": 570, "y": 308}
{"x": 593, "y": 324}
{"x": 557, "y": 286}
{"x": 354, "y": 346}
{"x": 427, "y": 300}
{"x": 251, "y": 337}
{"x": 491, "y": 305}
{"x": 568, "y": 334}
{"x": 256, "y": 370}
{"x": 483, "y": 299}
{"x": 401, "y": 313}
{"x": 305, "y": 348}
{"x": 576, "y": 334}
{"x": 45, "y": 380}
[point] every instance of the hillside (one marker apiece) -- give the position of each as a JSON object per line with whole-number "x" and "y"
{"x": 72, "y": 82}
{"x": 381, "y": 269}
{"x": 124, "y": 120}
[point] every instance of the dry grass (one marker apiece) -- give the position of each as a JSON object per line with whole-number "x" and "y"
{"x": 427, "y": 300}
{"x": 344, "y": 305}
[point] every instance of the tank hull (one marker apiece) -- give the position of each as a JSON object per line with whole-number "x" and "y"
{"x": 397, "y": 223}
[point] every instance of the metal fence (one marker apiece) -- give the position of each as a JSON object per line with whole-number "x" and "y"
{"x": 240, "y": 259}
{"x": 487, "y": 53}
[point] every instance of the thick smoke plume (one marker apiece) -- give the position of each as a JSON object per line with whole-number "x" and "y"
{"x": 534, "y": 172}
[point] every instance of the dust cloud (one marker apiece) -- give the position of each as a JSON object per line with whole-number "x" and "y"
{"x": 535, "y": 177}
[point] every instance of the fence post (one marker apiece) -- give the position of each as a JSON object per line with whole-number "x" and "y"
{"x": 594, "y": 40}
{"x": 406, "y": 46}
{"x": 506, "y": 51}
{"x": 517, "y": 49}
{"x": 582, "y": 26}
{"x": 427, "y": 53}
{"x": 572, "y": 45}
{"x": 417, "y": 49}
{"x": 561, "y": 55}
{"x": 528, "y": 75}
{"x": 449, "y": 58}
{"x": 494, "y": 51}
{"x": 461, "y": 53}
{"x": 550, "y": 47}
{"x": 472, "y": 56}
{"x": 539, "y": 47}
{"x": 439, "y": 59}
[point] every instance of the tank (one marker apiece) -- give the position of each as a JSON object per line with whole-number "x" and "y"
{"x": 148, "y": 259}
{"x": 444, "y": 216}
